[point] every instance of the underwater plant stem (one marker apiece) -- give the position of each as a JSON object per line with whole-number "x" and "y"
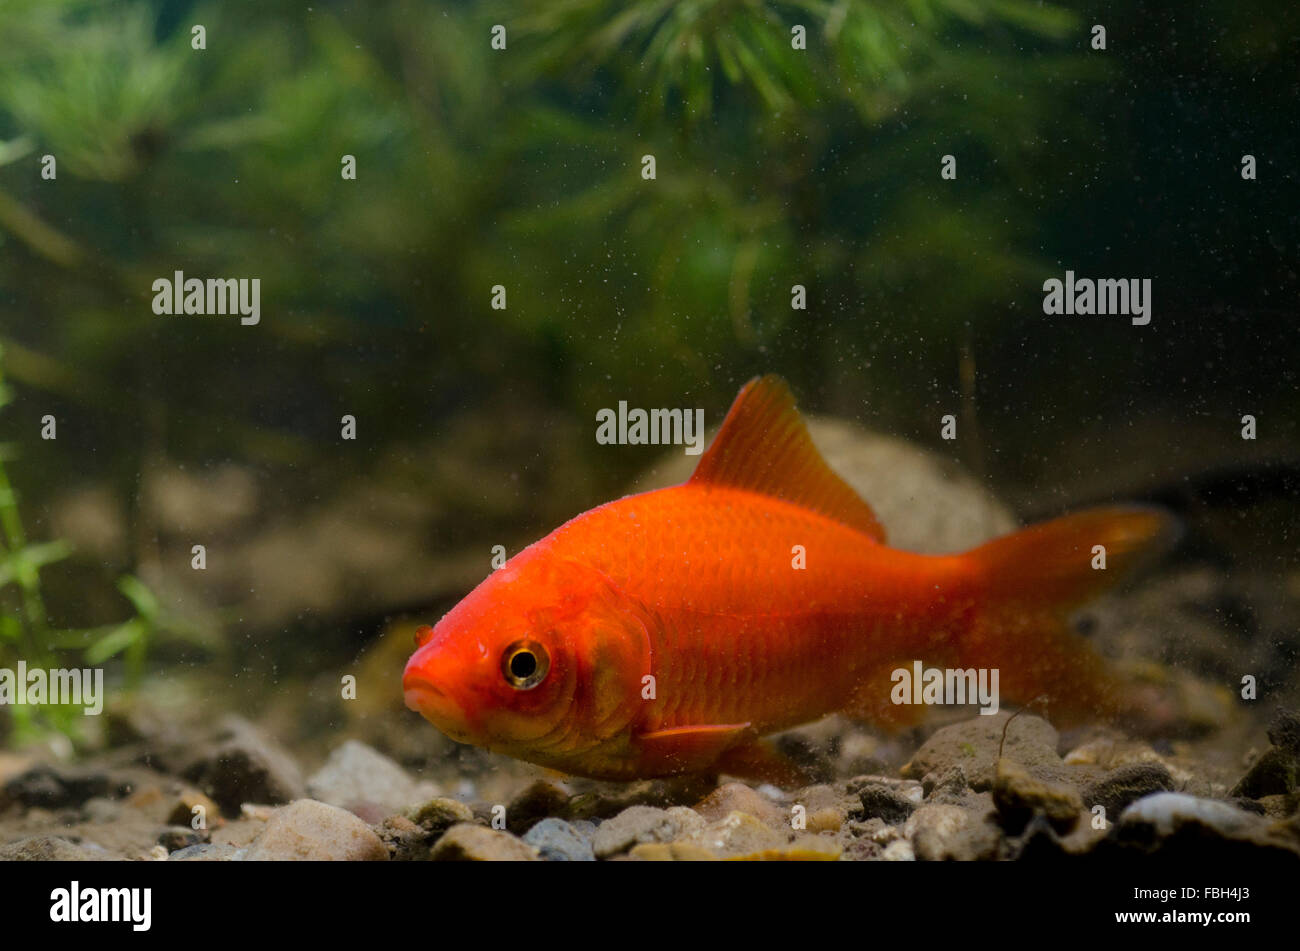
{"x": 15, "y": 539}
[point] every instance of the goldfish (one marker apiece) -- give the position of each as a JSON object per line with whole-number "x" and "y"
{"x": 673, "y": 631}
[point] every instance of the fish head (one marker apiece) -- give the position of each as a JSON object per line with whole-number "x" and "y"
{"x": 542, "y": 661}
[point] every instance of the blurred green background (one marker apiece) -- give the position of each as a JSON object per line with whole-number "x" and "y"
{"x": 521, "y": 167}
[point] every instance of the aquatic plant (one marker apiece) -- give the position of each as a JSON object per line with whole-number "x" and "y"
{"x": 26, "y": 631}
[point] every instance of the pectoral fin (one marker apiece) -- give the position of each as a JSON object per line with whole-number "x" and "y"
{"x": 689, "y": 749}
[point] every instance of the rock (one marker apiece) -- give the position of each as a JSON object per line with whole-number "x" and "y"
{"x": 208, "y": 852}
{"x": 1118, "y": 789}
{"x": 950, "y": 786}
{"x": 1164, "y": 814}
{"x": 97, "y": 809}
{"x": 880, "y": 801}
{"x": 1277, "y": 807}
{"x": 1018, "y": 796}
{"x": 536, "y": 802}
{"x": 315, "y": 831}
{"x": 239, "y": 764}
{"x": 61, "y": 787}
{"x": 51, "y": 848}
{"x": 672, "y": 852}
{"x": 1177, "y": 825}
{"x": 473, "y": 843}
{"x": 606, "y": 800}
{"x": 862, "y": 850}
{"x": 191, "y": 805}
{"x": 1038, "y": 841}
{"x": 13, "y": 764}
{"x": 737, "y": 797}
{"x": 238, "y": 832}
{"x": 557, "y": 841}
{"x": 909, "y": 789}
{"x": 405, "y": 841}
{"x": 147, "y": 798}
{"x": 1284, "y": 731}
{"x": 926, "y": 502}
{"x": 644, "y": 824}
{"x": 900, "y": 850}
{"x": 807, "y": 848}
{"x": 738, "y": 833}
{"x": 972, "y": 746}
{"x": 940, "y": 832}
{"x": 825, "y": 820}
{"x": 438, "y": 815}
{"x": 1272, "y": 774}
{"x": 176, "y": 838}
{"x": 128, "y": 722}
{"x": 356, "y": 775}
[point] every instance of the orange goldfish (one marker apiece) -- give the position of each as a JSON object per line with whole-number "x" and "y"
{"x": 669, "y": 632}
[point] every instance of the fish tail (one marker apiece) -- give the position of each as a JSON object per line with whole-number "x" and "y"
{"x": 1031, "y": 580}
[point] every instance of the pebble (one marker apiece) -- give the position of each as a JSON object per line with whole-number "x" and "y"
{"x": 51, "y": 848}
{"x": 474, "y": 843}
{"x": 536, "y": 802}
{"x": 640, "y": 824}
{"x": 207, "y": 852}
{"x": 972, "y": 745}
{"x": 1284, "y": 731}
{"x": 881, "y": 801}
{"x": 736, "y": 834}
{"x": 1272, "y": 774}
{"x": 356, "y": 775}
{"x": 608, "y": 800}
{"x": 98, "y": 809}
{"x": 1018, "y": 796}
{"x": 737, "y": 797}
{"x": 1121, "y": 787}
{"x": 438, "y": 815}
{"x": 940, "y": 832}
{"x": 315, "y": 831}
{"x": 1168, "y": 812}
{"x": 60, "y": 787}
{"x": 950, "y": 786}
{"x": 672, "y": 852}
{"x": 177, "y": 838}
{"x": 900, "y": 850}
{"x": 240, "y": 764}
{"x": 405, "y": 841}
{"x": 191, "y": 806}
{"x": 557, "y": 841}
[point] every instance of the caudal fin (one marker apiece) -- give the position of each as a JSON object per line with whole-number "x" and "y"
{"x": 1066, "y": 561}
{"x": 1031, "y": 580}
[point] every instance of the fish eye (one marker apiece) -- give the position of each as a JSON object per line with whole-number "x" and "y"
{"x": 524, "y": 664}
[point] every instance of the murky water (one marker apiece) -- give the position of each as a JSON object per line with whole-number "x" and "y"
{"x": 312, "y": 320}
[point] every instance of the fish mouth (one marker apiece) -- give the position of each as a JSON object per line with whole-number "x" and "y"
{"x": 420, "y": 695}
{"x": 432, "y": 703}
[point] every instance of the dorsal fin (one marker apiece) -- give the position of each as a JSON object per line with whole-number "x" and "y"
{"x": 763, "y": 446}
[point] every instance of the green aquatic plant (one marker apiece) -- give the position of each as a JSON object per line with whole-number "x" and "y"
{"x": 26, "y": 631}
